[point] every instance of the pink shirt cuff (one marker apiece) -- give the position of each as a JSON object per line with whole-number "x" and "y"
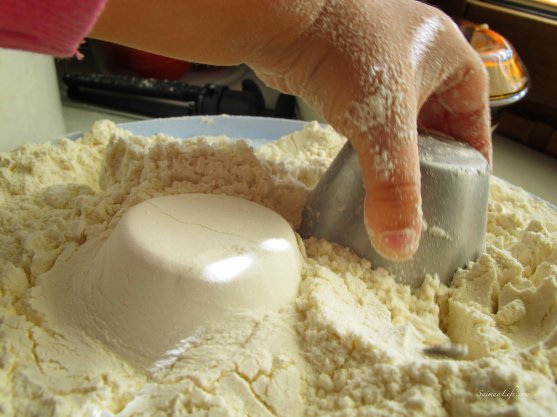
{"x": 55, "y": 27}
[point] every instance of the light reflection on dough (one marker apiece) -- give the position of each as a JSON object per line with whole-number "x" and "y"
{"x": 227, "y": 269}
{"x": 278, "y": 245}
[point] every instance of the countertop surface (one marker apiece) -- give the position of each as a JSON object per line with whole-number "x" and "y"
{"x": 532, "y": 170}
{"x": 512, "y": 161}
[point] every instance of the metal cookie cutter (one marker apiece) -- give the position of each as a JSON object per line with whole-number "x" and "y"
{"x": 455, "y": 186}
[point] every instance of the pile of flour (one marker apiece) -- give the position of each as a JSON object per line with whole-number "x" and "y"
{"x": 350, "y": 345}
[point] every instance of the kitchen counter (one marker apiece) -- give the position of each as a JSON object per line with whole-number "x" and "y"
{"x": 532, "y": 170}
{"x": 516, "y": 163}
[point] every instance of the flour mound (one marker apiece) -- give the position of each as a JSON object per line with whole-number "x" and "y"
{"x": 352, "y": 342}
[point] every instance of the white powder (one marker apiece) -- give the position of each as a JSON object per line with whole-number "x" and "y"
{"x": 350, "y": 345}
{"x": 383, "y": 164}
{"x": 435, "y": 231}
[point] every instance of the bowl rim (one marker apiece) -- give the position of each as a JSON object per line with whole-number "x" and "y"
{"x": 256, "y": 129}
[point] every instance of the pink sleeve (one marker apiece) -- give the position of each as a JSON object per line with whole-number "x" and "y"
{"x": 54, "y": 27}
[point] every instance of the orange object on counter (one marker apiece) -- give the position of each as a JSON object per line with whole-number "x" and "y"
{"x": 508, "y": 76}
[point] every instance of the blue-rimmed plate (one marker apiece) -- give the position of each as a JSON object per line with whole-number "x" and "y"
{"x": 256, "y": 130}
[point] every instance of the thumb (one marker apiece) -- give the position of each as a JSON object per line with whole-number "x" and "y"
{"x": 390, "y": 169}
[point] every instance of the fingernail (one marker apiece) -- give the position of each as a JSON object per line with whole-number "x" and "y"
{"x": 398, "y": 245}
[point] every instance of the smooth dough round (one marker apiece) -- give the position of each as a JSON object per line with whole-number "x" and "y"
{"x": 177, "y": 262}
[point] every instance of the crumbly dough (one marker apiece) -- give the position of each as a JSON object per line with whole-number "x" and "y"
{"x": 351, "y": 343}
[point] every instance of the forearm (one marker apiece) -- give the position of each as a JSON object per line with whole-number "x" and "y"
{"x": 218, "y": 32}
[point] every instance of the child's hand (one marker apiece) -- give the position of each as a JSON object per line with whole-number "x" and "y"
{"x": 377, "y": 70}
